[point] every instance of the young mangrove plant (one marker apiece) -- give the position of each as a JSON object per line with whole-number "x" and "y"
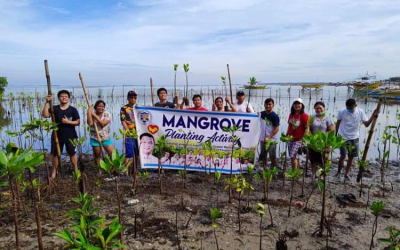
{"x": 285, "y": 139}
{"x": 89, "y": 230}
{"x": 261, "y": 211}
{"x": 268, "y": 175}
{"x": 322, "y": 142}
{"x": 186, "y": 69}
{"x": 115, "y": 165}
{"x": 393, "y": 240}
{"x": 367, "y": 205}
{"x": 13, "y": 163}
{"x": 293, "y": 175}
{"x": 159, "y": 152}
{"x": 235, "y": 141}
{"x": 175, "y": 98}
{"x": 217, "y": 177}
{"x": 215, "y": 214}
{"x": 241, "y": 185}
{"x": 377, "y": 207}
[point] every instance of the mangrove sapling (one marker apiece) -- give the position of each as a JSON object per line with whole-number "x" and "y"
{"x": 115, "y": 165}
{"x": 293, "y": 175}
{"x": 13, "y": 163}
{"x": 159, "y": 152}
{"x": 268, "y": 175}
{"x": 235, "y": 141}
{"x": 241, "y": 185}
{"x": 175, "y": 98}
{"x": 82, "y": 178}
{"x": 215, "y": 214}
{"x": 90, "y": 230}
{"x": 321, "y": 142}
{"x": 176, "y": 227}
{"x": 208, "y": 148}
{"x": 285, "y": 139}
{"x": 393, "y": 240}
{"x": 261, "y": 211}
{"x": 186, "y": 69}
{"x": 250, "y": 170}
{"x": 217, "y": 177}
{"x": 366, "y": 207}
{"x": 363, "y": 164}
{"x": 377, "y": 207}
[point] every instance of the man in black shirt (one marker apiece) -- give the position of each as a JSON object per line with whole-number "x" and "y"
{"x": 67, "y": 118}
{"x": 163, "y": 103}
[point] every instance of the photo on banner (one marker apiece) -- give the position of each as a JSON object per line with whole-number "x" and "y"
{"x": 195, "y": 138}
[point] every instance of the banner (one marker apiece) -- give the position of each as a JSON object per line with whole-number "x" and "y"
{"x": 195, "y": 139}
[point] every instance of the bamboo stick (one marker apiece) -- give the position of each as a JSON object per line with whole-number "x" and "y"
{"x": 53, "y": 118}
{"x": 230, "y": 82}
{"x": 152, "y": 92}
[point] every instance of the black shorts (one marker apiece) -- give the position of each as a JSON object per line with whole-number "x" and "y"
{"x": 71, "y": 149}
{"x": 315, "y": 157}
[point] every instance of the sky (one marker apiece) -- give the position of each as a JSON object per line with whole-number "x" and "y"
{"x": 127, "y": 42}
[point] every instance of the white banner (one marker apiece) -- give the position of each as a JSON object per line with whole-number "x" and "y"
{"x": 195, "y": 138}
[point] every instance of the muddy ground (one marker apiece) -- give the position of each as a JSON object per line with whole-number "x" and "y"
{"x": 156, "y": 213}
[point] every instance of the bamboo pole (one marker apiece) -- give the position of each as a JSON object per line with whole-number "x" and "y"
{"x": 152, "y": 92}
{"x": 230, "y": 82}
{"x": 53, "y": 118}
{"x": 94, "y": 122}
{"x": 370, "y": 133}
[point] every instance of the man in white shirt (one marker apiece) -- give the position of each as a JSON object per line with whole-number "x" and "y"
{"x": 241, "y": 105}
{"x": 348, "y": 126}
{"x": 201, "y": 157}
{"x": 165, "y": 160}
{"x": 146, "y": 147}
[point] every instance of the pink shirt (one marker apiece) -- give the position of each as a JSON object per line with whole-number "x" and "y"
{"x": 198, "y": 109}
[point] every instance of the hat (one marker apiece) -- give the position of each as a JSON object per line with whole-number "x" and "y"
{"x": 131, "y": 93}
{"x": 298, "y": 100}
{"x": 240, "y": 92}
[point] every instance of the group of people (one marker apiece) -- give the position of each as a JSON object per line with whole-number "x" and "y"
{"x": 67, "y": 118}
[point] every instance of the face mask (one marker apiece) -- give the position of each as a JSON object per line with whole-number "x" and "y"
{"x": 321, "y": 114}
{"x": 350, "y": 110}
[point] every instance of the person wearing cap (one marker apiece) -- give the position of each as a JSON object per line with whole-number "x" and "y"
{"x": 319, "y": 122}
{"x": 241, "y": 105}
{"x": 67, "y": 118}
{"x": 298, "y": 126}
{"x": 128, "y": 122}
{"x": 348, "y": 126}
{"x": 269, "y": 129}
{"x": 197, "y": 104}
{"x": 162, "y": 96}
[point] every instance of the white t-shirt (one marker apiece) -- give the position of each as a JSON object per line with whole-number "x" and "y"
{"x": 349, "y": 127}
{"x": 242, "y": 107}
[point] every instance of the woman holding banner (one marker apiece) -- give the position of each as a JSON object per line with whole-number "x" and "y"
{"x": 102, "y": 118}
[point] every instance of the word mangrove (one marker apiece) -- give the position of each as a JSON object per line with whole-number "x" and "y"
{"x": 212, "y": 123}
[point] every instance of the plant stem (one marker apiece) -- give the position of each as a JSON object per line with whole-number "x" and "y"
{"x": 269, "y": 207}
{"x": 291, "y": 196}
{"x": 216, "y": 240}
{"x": 37, "y": 216}
{"x": 374, "y": 227}
{"x": 261, "y": 233}
{"x": 176, "y": 228}
{"x": 17, "y": 244}
{"x": 119, "y": 208}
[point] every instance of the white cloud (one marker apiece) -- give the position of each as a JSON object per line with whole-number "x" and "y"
{"x": 274, "y": 41}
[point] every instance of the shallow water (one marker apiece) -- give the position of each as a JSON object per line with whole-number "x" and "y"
{"x": 25, "y": 103}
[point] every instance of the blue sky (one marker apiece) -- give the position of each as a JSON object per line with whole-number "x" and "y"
{"x": 127, "y": 42}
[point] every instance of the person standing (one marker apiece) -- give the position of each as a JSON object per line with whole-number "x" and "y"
{"x": 319, "y": 122}
{"x": 241, "y": 105}
{"x": 162, "y": 96}
{"x": 128, "y": 122}
{"x": 269, "y": 129}
{"x": 102, "y": 118}
{"x": 348, "y": 126}
{"x": 67, "y": 118}
{"x": 197, "y": 103}
{"x": 298, "y": 126}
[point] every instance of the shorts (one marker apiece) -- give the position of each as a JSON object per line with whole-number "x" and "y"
{"x": 271, "y": 152}
{"x": 71, "y": 149}
{"x": 354, "y": 152}
{"x": 293, "y": 147}
{"x": 130, "y": 147}
{"x": 95, "y": 143}
{"x": 315, "y": 157}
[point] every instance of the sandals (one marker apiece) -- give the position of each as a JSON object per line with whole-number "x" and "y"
{"x": 346, "y": 198}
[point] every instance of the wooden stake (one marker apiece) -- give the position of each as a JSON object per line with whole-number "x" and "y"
{"x": 370, "y": 133}
{"x": 152, "y": 93}
{"x": 230, "y": 82}
{"x": 53, "y": 118}
{"x": 94, "y": 122}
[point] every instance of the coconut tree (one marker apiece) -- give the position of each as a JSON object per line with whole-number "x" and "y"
{"x": 13, "y": 163}
{"x": 321, "y": 142}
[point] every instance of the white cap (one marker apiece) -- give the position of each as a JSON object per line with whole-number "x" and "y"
{"x": 298, "y": 100}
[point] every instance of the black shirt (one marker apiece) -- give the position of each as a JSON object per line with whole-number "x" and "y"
{"x": 165, "y": 105}
{"x": 66, "y": 131}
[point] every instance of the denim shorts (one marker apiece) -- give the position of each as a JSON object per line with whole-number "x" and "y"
{"x": 354, "y": 153}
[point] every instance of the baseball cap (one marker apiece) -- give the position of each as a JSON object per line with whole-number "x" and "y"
{"x": 240, "y": 92}
{"x": 132, "y": 93}
{"x": 298, "y": 100}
